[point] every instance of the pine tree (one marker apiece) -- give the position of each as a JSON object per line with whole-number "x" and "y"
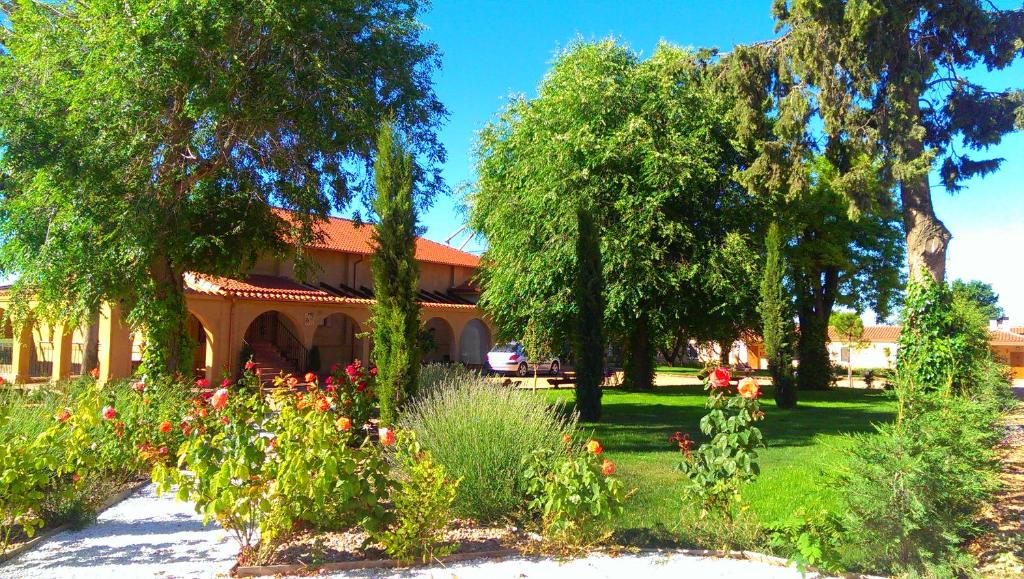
{"x": 396, "y": 315}
{"x": 776, "y": 321}
{"x": 589, "y": 336}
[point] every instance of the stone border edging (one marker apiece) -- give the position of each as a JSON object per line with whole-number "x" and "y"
{"x": 35, "y": 541}
{"x": 299, "y": 568}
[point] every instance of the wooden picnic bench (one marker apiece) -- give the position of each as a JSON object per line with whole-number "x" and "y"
{"x": 611, "y": 379}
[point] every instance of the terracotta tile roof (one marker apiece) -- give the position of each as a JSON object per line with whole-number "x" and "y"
{"x": 1004, "y": 337}
{"x": 273, "y": 288}
{"x": 337, "y": 234}
{"x": 892, "y": 334}
{"x": 872, "y": 334}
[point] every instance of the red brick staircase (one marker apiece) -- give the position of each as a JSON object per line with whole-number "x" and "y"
{"x": 269, "y": 361}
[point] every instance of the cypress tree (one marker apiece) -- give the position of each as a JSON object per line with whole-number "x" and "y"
{"x": 776, "y": 321}
{"x": 396, "y": 315}
{"x": 589, "y": 339}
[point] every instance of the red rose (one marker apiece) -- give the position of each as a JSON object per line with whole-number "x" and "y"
{"x": 202, "y": 383}
{"x": 350, "y": 370}
{"x": 109, "y": 413}
{"x": 607, "y": 467}
{"x": 360, "y": 386}
{"x": 310, "y": 377}
{"x": 250, "y": 365}
{"x": 219, "y": 399}
{"x": 165, "y": 426}
{"x": 329, "y": 380}
{"x": 373, "y": 371}
{"x": 225, "y": 383}
{"x": 720, "y": 378}
{"x": 387, "y": 437}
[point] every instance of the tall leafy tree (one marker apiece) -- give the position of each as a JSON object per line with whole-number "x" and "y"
{"x": 980, "y": 293}
{"x": 777, "y": 320}
{"x": 145, "y": 139}
{"x": 646, "y": 147}
{"x": 838, "y": 257}
{"x": 890, "y": 84}
{"x": 396, "y": 315}
{"x": 849, "y": 327}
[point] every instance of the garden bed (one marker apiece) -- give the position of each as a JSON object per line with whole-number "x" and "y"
{"x": 349, "y": 550}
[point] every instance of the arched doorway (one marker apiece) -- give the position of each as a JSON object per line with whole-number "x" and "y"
{"x": 440, "y": 338}
{"x": 474, "y": 344}
{"x": 201, "y": 356}
{"x": 6, "y": 346}
{"x": 335, "y": 342}
{"x": 272, "y": 340}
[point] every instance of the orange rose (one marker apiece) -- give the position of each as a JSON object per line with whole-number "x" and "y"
{"x": 344, "y": 423}
{"x": 594, "y": 447}
{"x": 323, "y": 405}
{"x": 219, "y": 399}
{"x": 748, "y": 388}
{"x": 387, "y": 436}
{"x": 63, "y": 415}
{"x": 310, "y": 377}
{"x": 607, "y": 468}
{"x": 165, "y": 426}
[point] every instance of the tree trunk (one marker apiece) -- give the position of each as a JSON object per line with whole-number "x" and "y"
{"x": 168, "y": 344}
{"x": 639, "y": 367}
{"x": 589, "y": 335}
{"x": 927, "y": 237}
{"x": 814, "y": 370}
{"x": 91, "y": 352}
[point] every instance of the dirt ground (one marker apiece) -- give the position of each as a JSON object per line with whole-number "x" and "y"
{"x": 1000, "y": 552}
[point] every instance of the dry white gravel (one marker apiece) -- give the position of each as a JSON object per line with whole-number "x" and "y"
{"x": 643, "y": 566}
{"x": 142, "y": 536}
{"x": 151, "y": 536}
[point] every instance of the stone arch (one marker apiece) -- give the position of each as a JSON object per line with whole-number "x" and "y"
{"x": 202, "y": 363}
{"x": 443, "y": 338}
{"x": 474, "y": 343}
{"x": 336, "y": 342}
{"x": 275, "y": 342}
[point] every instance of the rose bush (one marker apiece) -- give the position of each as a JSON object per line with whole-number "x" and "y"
{"x": 716, "y": 469}
{"x": 574, "y": 494}
{"x": 261, "y": 467}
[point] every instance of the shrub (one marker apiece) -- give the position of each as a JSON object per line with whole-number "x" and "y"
{"x": 257, "y": 472}
{"x": 574, "y": 493}
{"x": 422, "y": 500}
{"x": 717, "y": 468}
{"x": 912, "y": 492}
{"x": 483, "y": 433}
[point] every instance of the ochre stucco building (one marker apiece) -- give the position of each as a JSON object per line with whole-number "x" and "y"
{"x": 285, "y": 322}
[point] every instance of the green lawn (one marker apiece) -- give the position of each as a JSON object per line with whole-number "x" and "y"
{"x": 800, "y": 442}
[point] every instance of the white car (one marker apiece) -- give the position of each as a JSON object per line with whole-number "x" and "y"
{"x": 511, "y": 359}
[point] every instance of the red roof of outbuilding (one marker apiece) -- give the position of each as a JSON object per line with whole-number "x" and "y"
{"x": 344, "y": 235}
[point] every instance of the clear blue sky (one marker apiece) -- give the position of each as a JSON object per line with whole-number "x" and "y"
{"x": 494, "y": 49}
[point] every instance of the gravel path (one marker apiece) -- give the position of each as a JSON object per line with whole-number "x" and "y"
{"x": 644, "y": 566}
{"x": 151, "y": 536}
{"x": 143, "y": 536}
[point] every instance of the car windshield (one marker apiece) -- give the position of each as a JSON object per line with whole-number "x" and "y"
{"x": 506, "y": 348}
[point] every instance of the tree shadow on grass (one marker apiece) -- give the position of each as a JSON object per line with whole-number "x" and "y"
{"x": 645, "y": 427}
